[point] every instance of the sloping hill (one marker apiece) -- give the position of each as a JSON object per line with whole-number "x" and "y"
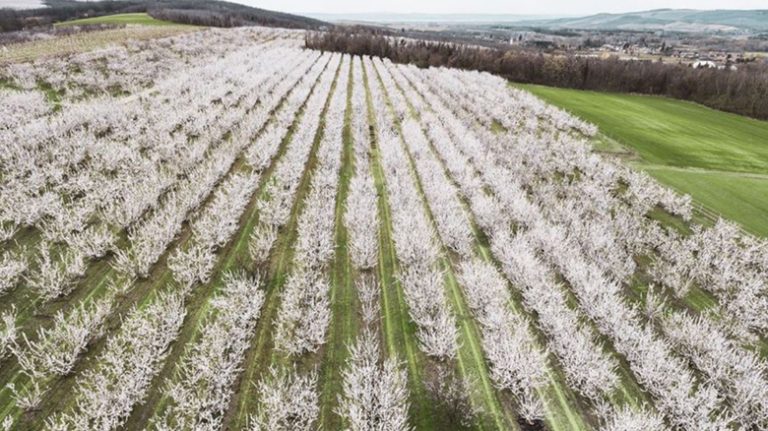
{"x": 198, "y": 12}
{"x": 686, "y": 20}
{"x": 225, "y": 14}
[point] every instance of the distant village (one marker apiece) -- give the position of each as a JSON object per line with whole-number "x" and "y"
{"x": 637, "y": 48}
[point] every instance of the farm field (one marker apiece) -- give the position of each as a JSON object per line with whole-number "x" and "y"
{"x": 223, "y": 230}
{"x": 139, "y": 18}
{"x": 86, "y": 41}
{"x": 720, "y": 159}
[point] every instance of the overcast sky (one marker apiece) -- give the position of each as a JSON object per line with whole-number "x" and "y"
{"x": 538, "y": 7}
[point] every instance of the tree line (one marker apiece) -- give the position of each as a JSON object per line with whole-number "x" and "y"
{"x": 221, "y": 14}
{"x": 743, "y": 91}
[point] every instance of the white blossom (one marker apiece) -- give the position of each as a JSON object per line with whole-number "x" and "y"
{"x": 202, "y": 385}
{"x": 288, "y": 401}
{"x": 375, "y": 393}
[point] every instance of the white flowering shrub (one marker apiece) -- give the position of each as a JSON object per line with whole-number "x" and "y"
{"x": 200, "y": 390}
{"x": 12, "y": 267}
{"x": 93, "y": 242}
{"x": 21, "y": 106}
{"x": 368, "y": 293}
{"x": 106, "y": 394}
{"x": 627, "y": 419}
{"x": 517, "y": 364}
{"x": 261, "y": 241}
{"x": 193, "y": 265}
{"x": 738, "y": 373}
{"x": 304, "y": 313}
{"x": 8, "y": 332}
{"x": 288, "y": 401}
{"x": 375, "y": 393}
{"x": 57, "y": 348}
{"x": 54, "y": 276}
{"x": 415, "y": 240}
{"x": 361, "y": 215}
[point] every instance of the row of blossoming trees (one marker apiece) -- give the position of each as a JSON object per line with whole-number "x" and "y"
{"x": 175, "y": 239}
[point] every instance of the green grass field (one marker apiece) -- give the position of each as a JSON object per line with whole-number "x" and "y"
{"x": 720, "y": 159}
{"x": 123, "y": 18}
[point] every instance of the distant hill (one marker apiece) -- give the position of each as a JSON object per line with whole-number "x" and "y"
{"x": 234, "y": 14}
{"x": 396, "y": 18}
{"x": 681, "y": 20}
{"x": 198, "y": 12}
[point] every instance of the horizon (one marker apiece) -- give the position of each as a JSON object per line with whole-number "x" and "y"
{"x": 478, "y": 17}
{"x": 418, "y": 17}
{"x": 511, "y": 13}
{"x": 455, "y": 8}
{"x": 497, "y": 7}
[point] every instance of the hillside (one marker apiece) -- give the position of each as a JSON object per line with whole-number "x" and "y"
{"x": 137, "y": 18}
{"x": 228, "y": 14}
{"x": 682, "y": 20}
{"x": 197, "y": 12}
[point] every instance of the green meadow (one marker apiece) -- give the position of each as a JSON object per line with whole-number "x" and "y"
{"x": 117, "y": 19}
